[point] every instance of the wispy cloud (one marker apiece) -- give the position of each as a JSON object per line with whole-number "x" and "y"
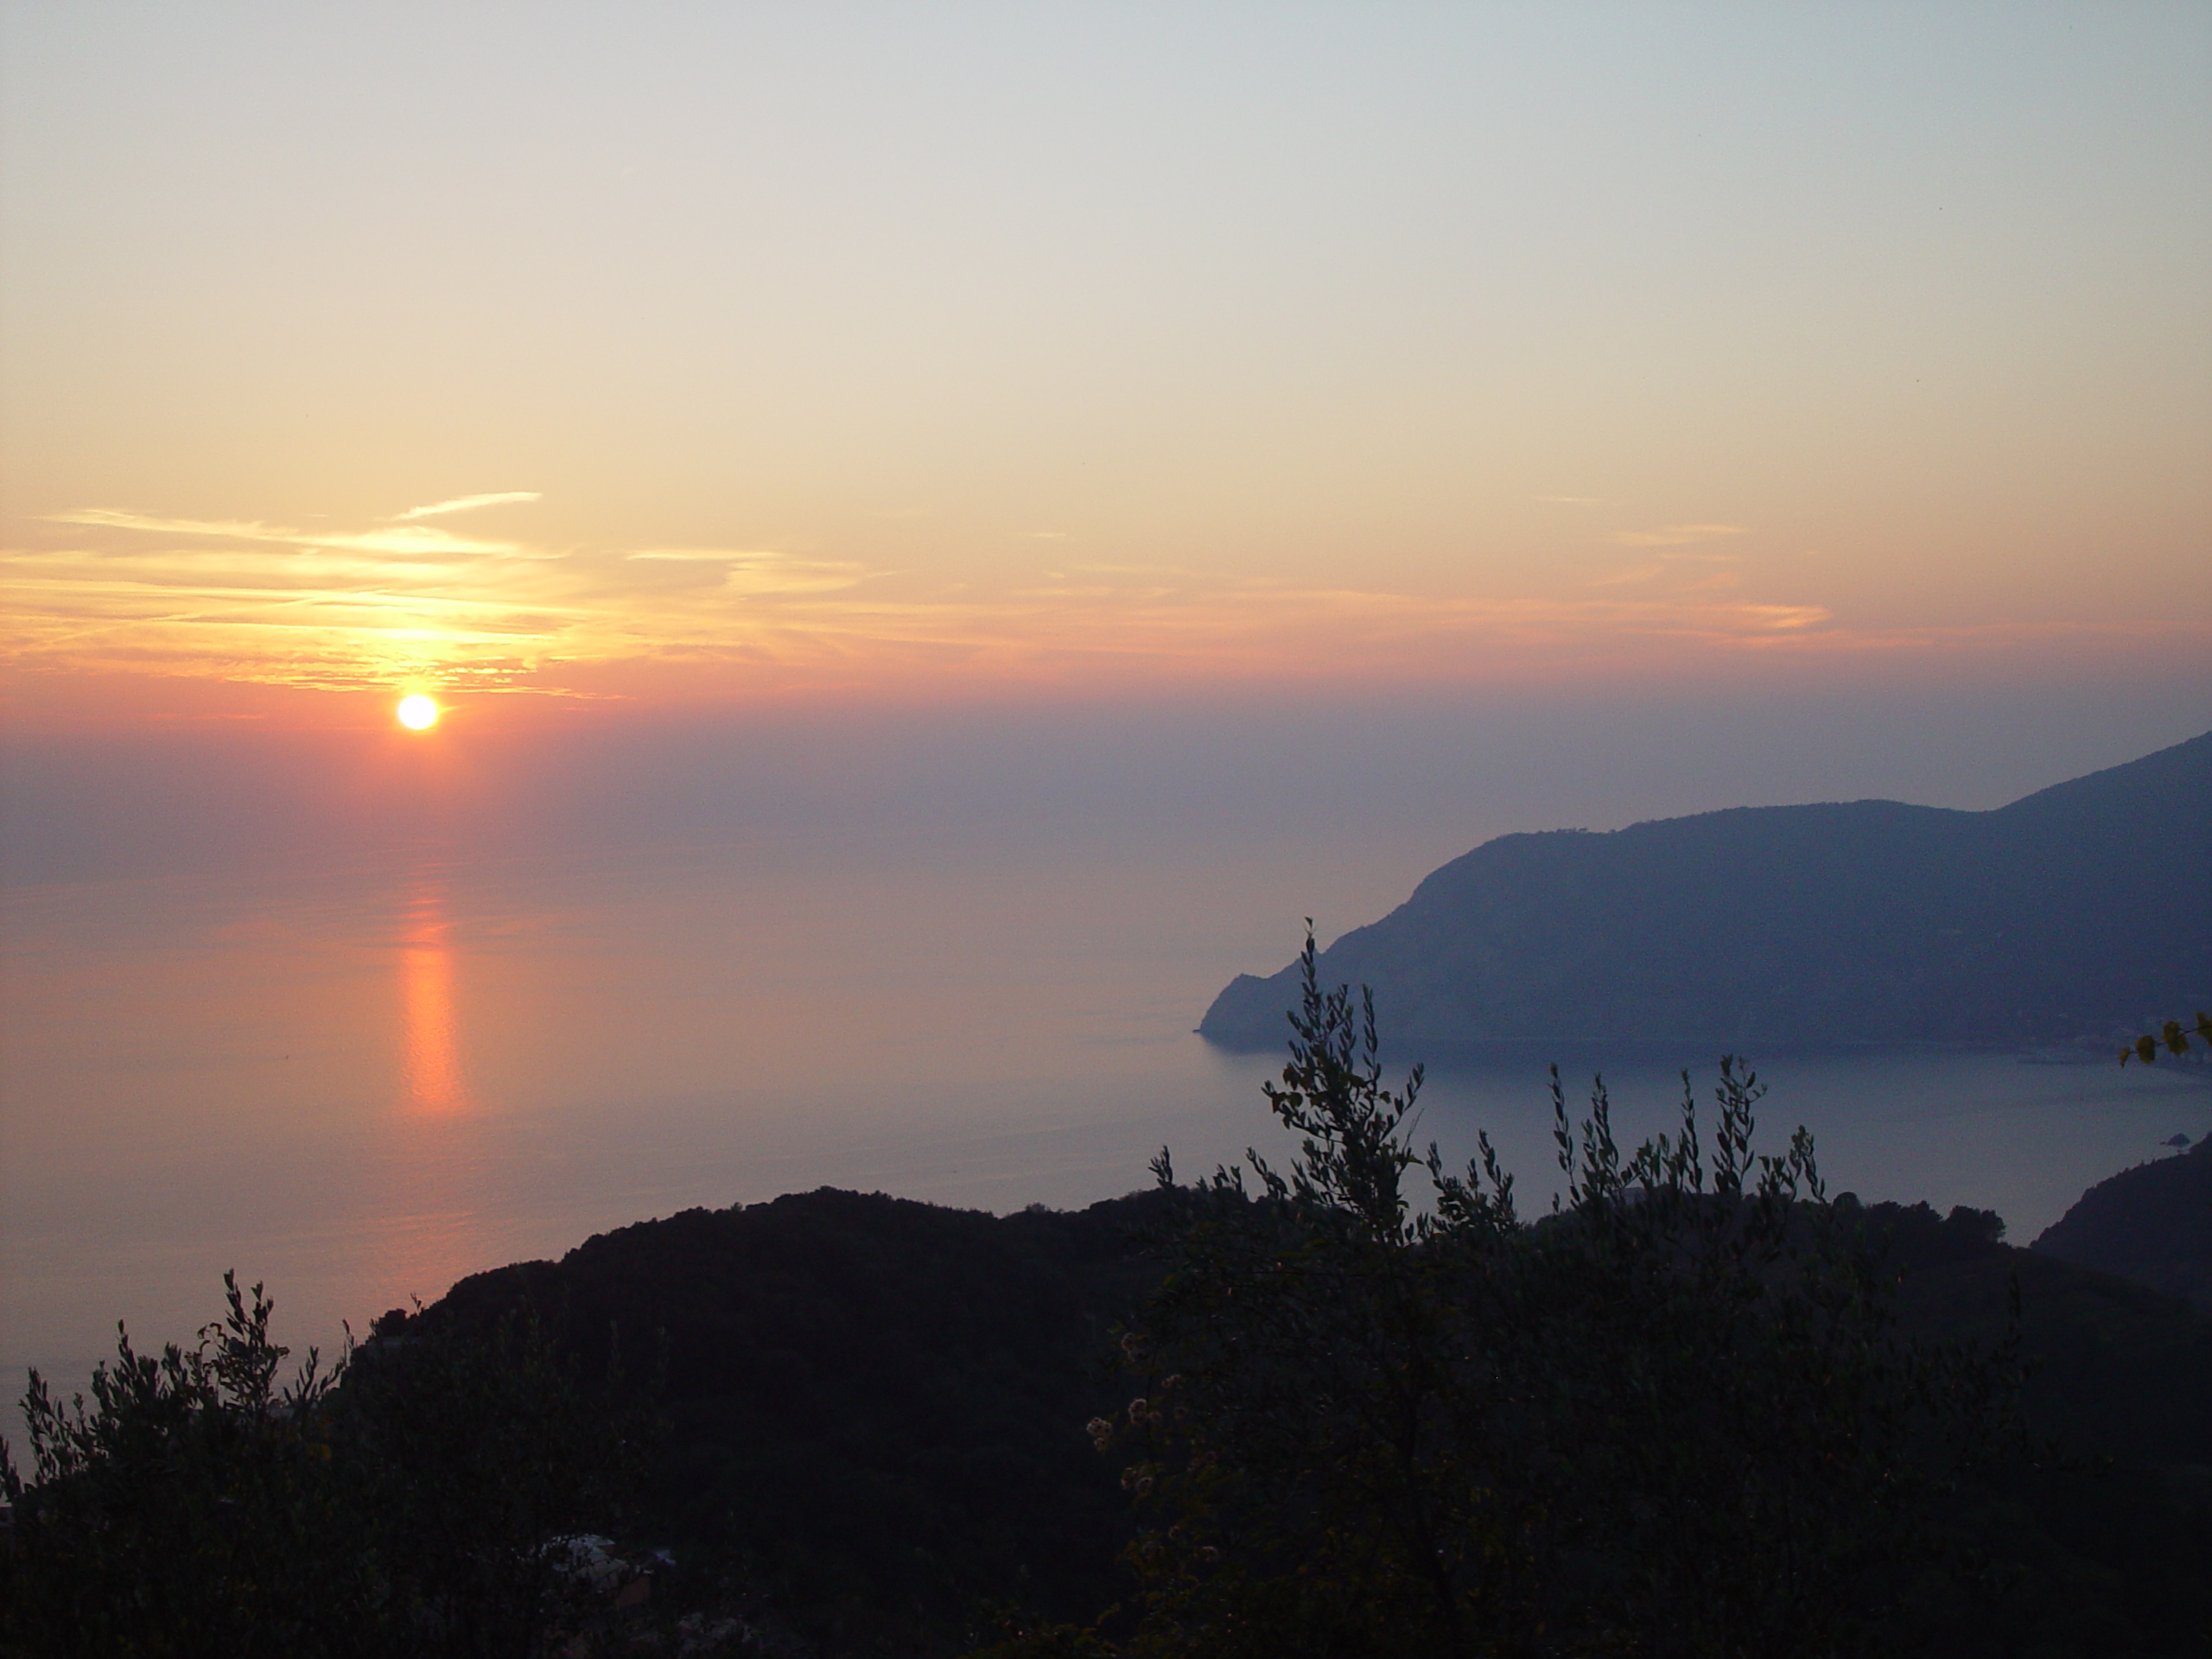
{"x": 1677, "y": 535}
{"x": 465, "y": 503}
{"x": 1677, "y": 571}
{"x": 423, "y": 541}
{"x": 262, "y": 601}
{"x": 237, "y": 528}
{"x": 246, "y": 600}
{"x": 1628, "y": 574}
{"x": 758, "y": 571}
{"x": 695, "y": 554}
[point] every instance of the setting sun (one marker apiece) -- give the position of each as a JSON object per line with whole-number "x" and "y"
{"x": 417, "y": 713}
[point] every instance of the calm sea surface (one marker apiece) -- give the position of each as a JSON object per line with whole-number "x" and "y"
{"x": 360, "y": 1086}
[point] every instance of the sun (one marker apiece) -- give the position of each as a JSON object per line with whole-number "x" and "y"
{"x": 417, "y": 713}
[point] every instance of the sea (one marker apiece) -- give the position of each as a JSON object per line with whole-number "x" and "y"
{"x": 359, "y": 1085}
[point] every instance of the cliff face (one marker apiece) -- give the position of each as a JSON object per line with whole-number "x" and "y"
{"x": 2079, "y": 911}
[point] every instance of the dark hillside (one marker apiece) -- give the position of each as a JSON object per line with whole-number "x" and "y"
{"x": 2120, "y": 1369}
{"x": 877, "y": 1411}
{"x": 877, "y": 1406}
{"x": 2104, "y": 1546}
{"x": 2078, "y": 911}
{"x": 2151, "y": 1223}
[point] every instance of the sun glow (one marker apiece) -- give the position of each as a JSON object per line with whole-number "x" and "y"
{"x": 417, "y": 713}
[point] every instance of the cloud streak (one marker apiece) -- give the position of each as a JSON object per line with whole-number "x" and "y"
{"x": 1677, "y": 535}
{"x": 422, "y": 540}
{"x": 466, "y": 504}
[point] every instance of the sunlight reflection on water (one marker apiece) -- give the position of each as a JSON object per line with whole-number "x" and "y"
{"x": 433, "y": 1070}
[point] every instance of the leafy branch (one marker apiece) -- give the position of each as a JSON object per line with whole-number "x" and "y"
{"x": 2173, "y": 1036}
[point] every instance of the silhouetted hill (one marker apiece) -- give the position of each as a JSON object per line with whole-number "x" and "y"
{"x": 2079, "y": 911}
{"x": 2102, "y": 1548}
{"x": 2151, "y": 1223}
{"x": 876, "y": 1406}
{"x": 876, "y": 1412}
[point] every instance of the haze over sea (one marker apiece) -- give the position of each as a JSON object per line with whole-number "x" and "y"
{"x": 362, "y": 1074}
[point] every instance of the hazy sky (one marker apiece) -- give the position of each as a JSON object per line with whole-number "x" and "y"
{"x": 681, "y": 352}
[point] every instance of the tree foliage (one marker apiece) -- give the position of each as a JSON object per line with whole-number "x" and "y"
{"x": 2173, "y": 1037}
{"x": 397, "y": 1502}
{"x": 1673, "y": 1415}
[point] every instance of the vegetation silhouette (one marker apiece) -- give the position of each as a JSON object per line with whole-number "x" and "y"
{"x": 1677, "y": 1414}
{"x": 397, "y": 1502}
{"x": 2173, "y": 1037}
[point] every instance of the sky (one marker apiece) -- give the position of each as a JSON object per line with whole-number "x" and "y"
{"x": 765, "y": 370}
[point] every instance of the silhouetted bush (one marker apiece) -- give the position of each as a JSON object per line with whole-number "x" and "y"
{"x": 397, "y": 1505}
{"x": 1674, "y": 1416}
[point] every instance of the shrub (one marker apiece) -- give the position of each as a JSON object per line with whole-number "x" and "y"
{"x": 1674, "y": 1415}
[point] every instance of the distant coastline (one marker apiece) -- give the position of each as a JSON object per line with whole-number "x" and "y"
{"x": 2063, "y": 921}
